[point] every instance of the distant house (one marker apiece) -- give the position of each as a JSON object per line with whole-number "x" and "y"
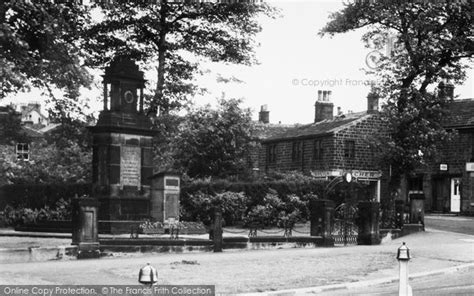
{"x": 21, "y": 129}
{"x": 330, "y": 146}
{"x": 32, "y": 117}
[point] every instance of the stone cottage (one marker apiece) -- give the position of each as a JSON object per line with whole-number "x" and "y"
{"x": 330, "y": 146}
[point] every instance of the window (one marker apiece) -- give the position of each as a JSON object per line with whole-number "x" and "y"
{"x": 22, "y": 151}
{"x": 318, "y": 150}
{"x": 271, "y": 153}
{"x": 349, "y": 149}
{"x": 296, "y": 152}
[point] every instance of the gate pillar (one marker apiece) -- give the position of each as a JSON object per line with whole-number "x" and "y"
{"x": 368, "y": 222}
{"x": 322, "y": 219}
{"x": 85, "y": 223}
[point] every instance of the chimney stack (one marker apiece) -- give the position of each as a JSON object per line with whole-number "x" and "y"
{"x": 264, "y": 114}
{"x": 323, "y": 108}
{"x": 372, "y": 102}
{"x": 446, "y": 90}
{"x": 450, "y": 91}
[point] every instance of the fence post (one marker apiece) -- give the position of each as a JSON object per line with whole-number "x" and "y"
{"x": 417, "y": 209}
{"x": 399, "y": 211}
{"x": 368, "y": 223}
{"x": 322, "y": 220}
{"x": 217, "y": 231}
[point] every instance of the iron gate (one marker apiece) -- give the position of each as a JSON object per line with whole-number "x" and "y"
{"x": 345, "y": 230}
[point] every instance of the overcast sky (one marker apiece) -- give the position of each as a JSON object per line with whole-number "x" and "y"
{"x": 294, "y": 63}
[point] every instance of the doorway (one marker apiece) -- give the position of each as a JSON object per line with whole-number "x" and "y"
{"x": 441, "y": 194}
{"x": 455, "y": 195}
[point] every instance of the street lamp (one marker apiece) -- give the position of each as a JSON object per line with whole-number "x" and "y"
{"x": 403, "y": 256}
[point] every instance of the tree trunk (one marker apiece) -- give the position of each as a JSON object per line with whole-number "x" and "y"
{"x": 158, "y": 100}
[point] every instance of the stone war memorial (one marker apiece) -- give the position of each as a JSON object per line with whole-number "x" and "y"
{"x": 123, "y": 158}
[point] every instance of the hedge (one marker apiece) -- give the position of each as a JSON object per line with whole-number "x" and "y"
{"x": 254, "y": 192}
{"x": 36, "y": 196}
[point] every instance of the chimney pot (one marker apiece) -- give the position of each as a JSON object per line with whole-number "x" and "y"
{"x": 320, "y": 95}
{"x": 329, "y": 95}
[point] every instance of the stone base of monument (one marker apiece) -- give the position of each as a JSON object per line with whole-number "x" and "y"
{"x": 88, "y": 250}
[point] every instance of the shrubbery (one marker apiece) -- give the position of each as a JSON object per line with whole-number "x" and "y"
{"x": 21, "y": 215}
{"x": 280, "y": 201}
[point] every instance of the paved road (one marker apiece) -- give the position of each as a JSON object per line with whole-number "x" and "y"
{"x": 459, "y": 224}
{"x": 458, "y": 283}
{"x": 259, "y": 270}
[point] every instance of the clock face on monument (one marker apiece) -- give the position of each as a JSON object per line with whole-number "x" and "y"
{"x": 129, "y": 97}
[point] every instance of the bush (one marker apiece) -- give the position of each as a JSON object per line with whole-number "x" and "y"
{"x": 201, "y": 207}
{"x": 20, "y": 215}
{"x": 292, "y": 191}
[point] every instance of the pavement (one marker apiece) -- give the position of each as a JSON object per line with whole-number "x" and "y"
{"x": 264, "y": 272}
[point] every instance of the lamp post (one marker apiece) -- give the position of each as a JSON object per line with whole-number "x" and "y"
{"x": 403, "y": 256}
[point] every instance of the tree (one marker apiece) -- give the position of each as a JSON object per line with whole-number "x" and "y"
{"x": 171, "y": 35}
{"x": 11, "y": 131}
{"x": 432, "y": 40}
{"x": 214, "y": 142}
{"x": 40, "y": 46}
{"x": 48, "y": 164}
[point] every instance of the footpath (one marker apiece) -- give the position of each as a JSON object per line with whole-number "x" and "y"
{"x": 284, "y": 271}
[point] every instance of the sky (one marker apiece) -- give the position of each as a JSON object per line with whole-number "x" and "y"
{"x": 294, "y": 63}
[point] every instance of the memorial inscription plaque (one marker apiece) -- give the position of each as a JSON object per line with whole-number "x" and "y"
{"x": 130, "y": 166}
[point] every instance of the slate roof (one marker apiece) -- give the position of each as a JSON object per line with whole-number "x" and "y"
{"x": 264, "y": 131}
{"x": 318, "y": 129}
{"x": 461, "y": 114}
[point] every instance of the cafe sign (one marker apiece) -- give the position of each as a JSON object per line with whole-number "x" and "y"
{"x": 355, "y": 174}
{"x": 366, "y": 175}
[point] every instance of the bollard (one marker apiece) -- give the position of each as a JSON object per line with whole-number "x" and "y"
{"x": 217, "y": 231}
{"x": 403, "y": 256}
{"x": 148, "y": 275}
